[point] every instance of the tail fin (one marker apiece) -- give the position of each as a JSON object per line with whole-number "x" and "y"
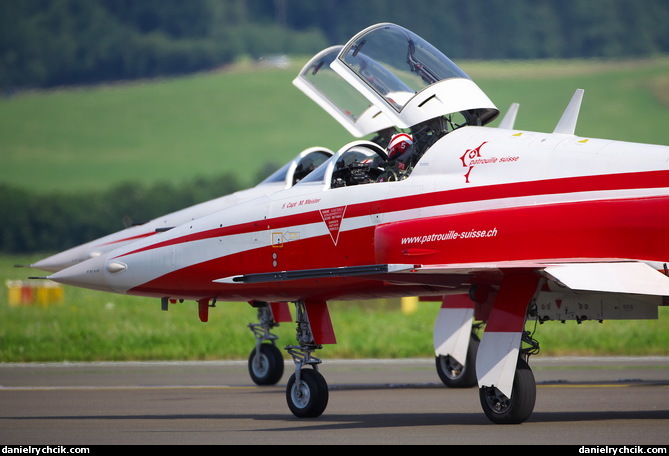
{"x": 567, "y": 124}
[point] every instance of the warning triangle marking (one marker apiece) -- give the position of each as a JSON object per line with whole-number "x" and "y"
{"x": 332, "y": 218}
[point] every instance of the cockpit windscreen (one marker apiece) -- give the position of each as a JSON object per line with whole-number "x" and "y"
{"x": 397, "y": 64}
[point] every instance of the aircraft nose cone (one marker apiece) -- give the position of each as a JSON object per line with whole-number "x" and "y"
{"x": 88, "y": 274}
{"x": 65, "y": 259}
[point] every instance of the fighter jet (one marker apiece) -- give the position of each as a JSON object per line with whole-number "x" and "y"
{"x": 347, "y": 107}
{"x": 507, "y": 226}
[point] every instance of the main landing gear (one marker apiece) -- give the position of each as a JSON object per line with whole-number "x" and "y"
{"x": 455, "y": 375}
{"x": 503, "y": 410}
{"x": 500, "y": 409}
{"x": 266, "y": 361}
{"x": 307, "y": 391}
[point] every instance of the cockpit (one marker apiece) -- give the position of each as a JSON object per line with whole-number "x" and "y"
{"x": 297, "y": 169}
{"x": 389, "y": 81}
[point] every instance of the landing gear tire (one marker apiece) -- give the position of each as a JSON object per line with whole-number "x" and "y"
{"x": 502, "y": 410}
{"x": 307, "y": 398}
{"x": 267, "y": 367}
{"x": 455, "y": 375}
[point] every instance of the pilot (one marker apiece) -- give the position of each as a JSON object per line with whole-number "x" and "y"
{"x": 399, "y": 145}
{"x": 399, "y": 152}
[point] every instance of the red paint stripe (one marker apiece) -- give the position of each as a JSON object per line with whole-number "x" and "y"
{"x": 570, "y": 185}
{"x": 208, "y": 234}
{"x": 624, "y": 229}
{"x": 131, "y": 238}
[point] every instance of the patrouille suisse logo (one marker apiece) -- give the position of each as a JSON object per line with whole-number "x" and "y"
{"x": 473, "y": 157}
{"x": 469, "y": 159}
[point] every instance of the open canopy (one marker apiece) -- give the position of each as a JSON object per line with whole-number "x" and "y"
{"x": 338, "y": 98}
{"x": 408, "y": 79}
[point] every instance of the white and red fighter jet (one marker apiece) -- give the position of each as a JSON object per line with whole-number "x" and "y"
{"x": 358, "y": 117}
{"x": 506, "y": 225}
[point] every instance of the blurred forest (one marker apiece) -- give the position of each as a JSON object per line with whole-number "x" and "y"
{"x": 46, "y": 43}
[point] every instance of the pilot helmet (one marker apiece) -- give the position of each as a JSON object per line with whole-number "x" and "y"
{"x": 399, "y": 143}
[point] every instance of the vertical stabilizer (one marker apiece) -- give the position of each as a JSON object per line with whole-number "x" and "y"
{"x": 509, "y": 119}
{"x": 567, "y": 124}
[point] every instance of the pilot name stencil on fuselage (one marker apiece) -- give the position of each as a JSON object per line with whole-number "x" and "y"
{"x": 303, "y": 202}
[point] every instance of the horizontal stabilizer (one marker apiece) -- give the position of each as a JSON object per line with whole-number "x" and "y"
{"x": 628, "y": 277}
{"x": 567, "y": 124}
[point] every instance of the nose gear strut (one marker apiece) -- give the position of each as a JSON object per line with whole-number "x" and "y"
{"x": 265, "y": 363}
{"x": 307, "y": 391}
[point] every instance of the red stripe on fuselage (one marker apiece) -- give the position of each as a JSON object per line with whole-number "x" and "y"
{"x": 610, "y": 229}
{"x": 606, "y": 182}
{"x": 131, "y": 238}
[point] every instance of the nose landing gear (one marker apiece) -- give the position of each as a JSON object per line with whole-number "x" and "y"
{"x": 265, "y": 363}
{"x": 307, "y": 391}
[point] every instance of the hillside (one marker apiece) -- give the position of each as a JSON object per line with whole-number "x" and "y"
{"x": 246, "y": 117}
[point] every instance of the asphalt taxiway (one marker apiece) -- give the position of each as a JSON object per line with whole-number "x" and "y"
{"x": 580, "y": 401}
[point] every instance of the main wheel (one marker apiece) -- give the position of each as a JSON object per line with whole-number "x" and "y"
{"x": 267, "y": 367}
{"x": 455, "y": 375}
{"x": 502, "y": 410}
{"x": 309, "y": 397}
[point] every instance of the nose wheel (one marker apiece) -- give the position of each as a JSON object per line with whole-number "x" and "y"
{"x": 307, "y": 396}
{"x": 307, "y": 391}
{"x": 265, "y": 362}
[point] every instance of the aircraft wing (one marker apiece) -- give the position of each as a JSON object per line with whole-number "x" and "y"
{"x": 629, "y": 277}
{"x": 619, "y": 277}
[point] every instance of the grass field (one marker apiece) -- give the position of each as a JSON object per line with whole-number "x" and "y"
{"x": 93, "y": 326}
{"x": 240, "y": 119}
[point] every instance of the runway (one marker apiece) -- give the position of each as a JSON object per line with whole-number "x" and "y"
{"x": 580, "y": 401}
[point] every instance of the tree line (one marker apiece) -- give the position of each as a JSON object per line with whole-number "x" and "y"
{"x": 46, "y": 43}
{"x": 55, "y": 221}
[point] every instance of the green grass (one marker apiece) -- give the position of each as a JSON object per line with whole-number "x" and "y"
{"x": 626, "y": 100}
{"x": 167, "y": 130}
{"x": 242, "y": 118}
{"x": 95, "y": 326}
{"x": 205, "y": 124}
